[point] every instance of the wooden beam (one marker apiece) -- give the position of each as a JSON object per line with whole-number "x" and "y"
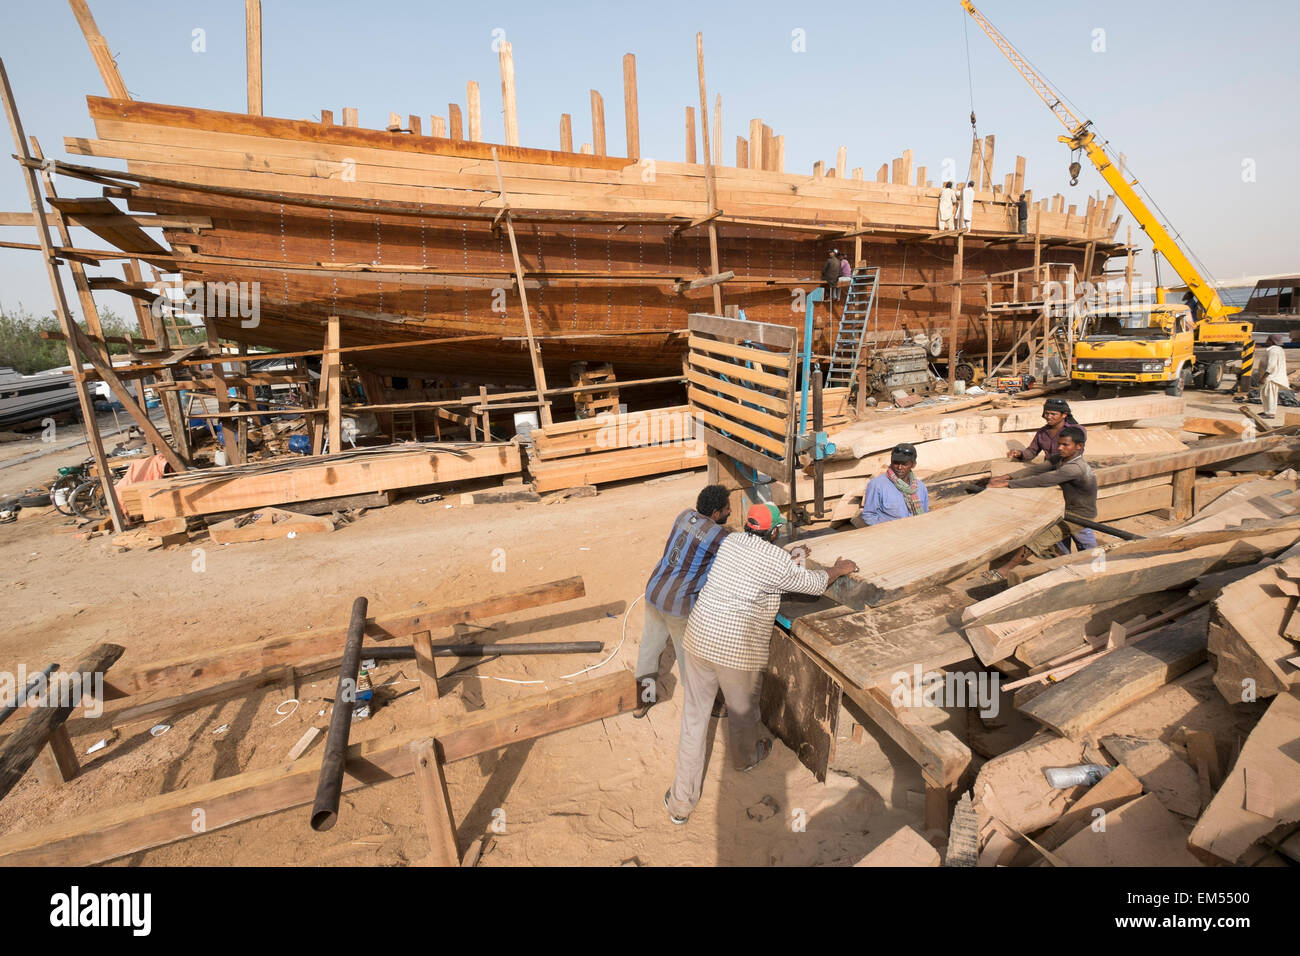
{"x": 630, "y": 115}
{"x": 986, "y": 180}
{"x": 690, "y": 134}
{"x": 954, "y": 313}
{"x": 99, "y": 50}
{"x": 66, "y": 322}
{"x": 717, "y": 120}
{"x": 842, "y": 163}
{"x": 598, "y": 123}
{"x": 436, "y": 805}
{"x": 253, "y": 42}
{"x": 475, "y": 108}
{"x": 756, "y": 144}
{"x": 427, "y": 666}
{"x": 351, "y": 117}
{"x": 507, "y": 61}
{"x": 334, "y": 395}
{"x": 26, "y": 745}
{"x": 456, "y": 126}
{"x": 115, "y": 832}
{"x": 566, "y": 133}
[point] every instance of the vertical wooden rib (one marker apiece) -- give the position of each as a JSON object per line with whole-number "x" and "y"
{"x": 350, "y": 116}
{"x": 437, "y": 126}
{"x": 742, "y": 153}
{"x": 99, "y": 51}
{"x": 717, "y": 130}
{"x": 842, "y": 162}
{"x": 756, "y": 144}
{"x": 253, "y": 41}
{"x": 598, "y": 123}
{"x": 986, "y": 164}
{"x": 630, "y": 108}
{"x": 475, "y": 107}
{"x": 507, "y": 59}
{"x": 690, "y": 134}
{"x": 455, "y": 125}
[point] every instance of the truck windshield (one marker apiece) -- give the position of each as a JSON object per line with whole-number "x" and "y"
{"x": 1130, "y": 325}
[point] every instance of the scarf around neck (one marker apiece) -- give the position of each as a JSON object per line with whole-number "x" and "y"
{"x": 909, "y": 490}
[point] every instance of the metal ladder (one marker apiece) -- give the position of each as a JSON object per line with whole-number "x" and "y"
{"x": 858, "y": 304}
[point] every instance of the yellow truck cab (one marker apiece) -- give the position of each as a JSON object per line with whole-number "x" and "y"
{"x": 1135, "y": 345}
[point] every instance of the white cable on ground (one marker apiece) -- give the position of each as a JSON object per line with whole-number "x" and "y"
{"x": 612, "y": 655}
{"x": 284, "y": 717}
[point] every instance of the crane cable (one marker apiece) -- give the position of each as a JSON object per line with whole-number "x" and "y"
{"x": 986, "y": 164}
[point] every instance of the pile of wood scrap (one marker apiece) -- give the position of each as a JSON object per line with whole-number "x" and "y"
{"x": 268, "y": 523}
{"x": 613, "y": 447}
{"x": 1085, "y": 640}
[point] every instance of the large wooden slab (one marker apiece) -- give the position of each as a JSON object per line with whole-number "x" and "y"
{"x": 1227, "y": 829}
{"x": 1127, "y": 408}
{"x": 1246, "y": 637}
{"x": 1096, "y": 580}
{"x": 905, "y": 556}
{"x": 863, "y": 439}
{"x": 1122, "y": 677}
{"x": 1139, "y": 833}
{"x": 800, "y": 703}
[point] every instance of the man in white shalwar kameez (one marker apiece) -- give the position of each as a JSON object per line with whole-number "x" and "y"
{"x": 1274, "y": 376}
{"x": 947, "y": 208}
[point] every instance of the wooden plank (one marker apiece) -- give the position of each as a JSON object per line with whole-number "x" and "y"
{"x": 771, "y": 423}
{"x": 773, "y": 359}
{"x": 862, "y": 440}
{"x": 776, "y": 447}
{"x": 456, "y": 126}
{"x": 297, "y": 648}
{"x": 764, "y": 464}
{"x": 762, "y": 333}
{"x": 734, "y": 370}
{"x": 1192, "y": 458}
{"x": 1246, "y": 637}
{"x": 1138, "y": 833}
{"x": 334, "y": 388}
{"x": 1117, "y": 680}
{"x": 231, "y": 489}
{"x": 266, "y": 524}
{"x": 473, "y": 105}
{"x": 427, "y": 666}
{"x": 1127, "y": 408}
{"x": 597, "y": 123}
{"x": 118, "y": 831}
{"x": 1227, "y": 829}
{"x": 253, "y": 38}
{"x": 436, "y": 804}
{"x": 773, "y": 403}
{"x": 901, "y": 557}
{"x": 1093, "y": 581}
{"x": 506, "y": 59}
{"x": 630, "y": 116}
{"x": 800, "y": 703}
{"x": 1219, "y": 426}
{"x": 1162, "y": 771}
{"x": 1114, "y": 790}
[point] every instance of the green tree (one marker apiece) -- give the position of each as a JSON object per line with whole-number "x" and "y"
{"x": 23, "y": 349}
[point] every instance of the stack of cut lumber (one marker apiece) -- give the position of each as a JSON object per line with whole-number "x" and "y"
{"x": 615, "y": 447}
{"x": 239, "y": 488}
{"x": 971, "y": 438}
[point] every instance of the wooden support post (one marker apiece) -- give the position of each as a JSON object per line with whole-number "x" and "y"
{"x": 351, "y": 117}
{"x": 717, "y": 128}
{"x": 57, "y": 762}
{"x": 475, "y": 108}
{"x": 218, "y": 371}
{"x": 769, "y": 160}
{"x": 99, "y": 50}
{"x": 955, "y": 315}
{"x": 436, "y": 804}
{"x": 539, "y": 372}
{"x": 253, "y": 41}
{"x": 597, "y": 123}
{"x": 327, "y": 117}
{"x": 507, "y": 60}
{"x": 631, "y": 117}
{"x": 842, "y": 163}
{"x": 566, "y": 133}
{"x": 487, "y": 422}
{"x": 455, "y": 126}
{"x": 427, "y": 666}
{"x": 690, "y": 134}
{"x": 988, "y": 343}
{"x": 335, "y": 394}
{"x": 437, "y": 126}
{"x": 157, "y": 331}
{"x": 1183, "y": 503}
{"x": 987, "y": 165}
{"x": 66, "y": 322}
{"x": 756, "y": 144}
{"x": 974, "y": 173}
{"x": 710, "y": 182}
{"x": 778, "y": 155}
{"x": 742, "y": 153}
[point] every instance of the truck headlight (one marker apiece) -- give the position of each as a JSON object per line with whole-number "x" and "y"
{"x": 1085, "y": 366}
{"x": 1153, "y": 366}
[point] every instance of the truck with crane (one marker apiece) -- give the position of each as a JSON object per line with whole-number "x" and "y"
{"x": 1174, "y": 345}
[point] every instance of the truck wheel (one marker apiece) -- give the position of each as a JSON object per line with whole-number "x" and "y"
{"x": 1213, "y": 376}
{"x": 1176, "y": 386}
{"x": 1090, "y": 390}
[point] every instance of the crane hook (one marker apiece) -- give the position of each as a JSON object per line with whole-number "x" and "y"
{"x": 1075, "y": 168}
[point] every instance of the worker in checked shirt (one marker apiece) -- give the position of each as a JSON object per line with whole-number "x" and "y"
{"x": 726, "y": 646}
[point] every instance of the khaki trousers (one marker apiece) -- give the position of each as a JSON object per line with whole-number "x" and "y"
{"x": 701, "y": 680}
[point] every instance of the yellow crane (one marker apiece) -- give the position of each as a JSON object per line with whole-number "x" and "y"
{"x": 1213, "y": 331}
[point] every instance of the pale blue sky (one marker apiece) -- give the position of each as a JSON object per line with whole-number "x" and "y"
{"x": 1185, "y": 90}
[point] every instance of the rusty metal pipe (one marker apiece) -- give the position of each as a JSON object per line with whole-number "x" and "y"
{"x": 325, "y": 811}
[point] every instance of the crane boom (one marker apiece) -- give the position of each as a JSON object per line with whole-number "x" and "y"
{"x": 1081, "y": 137}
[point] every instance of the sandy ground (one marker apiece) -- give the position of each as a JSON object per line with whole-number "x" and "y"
{"x": 591, "y": 795}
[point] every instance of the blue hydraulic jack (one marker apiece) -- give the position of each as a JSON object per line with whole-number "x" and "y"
{"x": 815, "y": 443}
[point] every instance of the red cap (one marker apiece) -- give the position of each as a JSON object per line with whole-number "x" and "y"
{"x": 763, "y": 517}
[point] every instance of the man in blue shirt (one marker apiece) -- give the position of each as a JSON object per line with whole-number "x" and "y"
{"x": 896, "y": 493}
{"x": 675, "y": 581}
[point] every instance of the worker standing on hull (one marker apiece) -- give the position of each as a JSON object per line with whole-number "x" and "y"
{"x": 947, "y": 208}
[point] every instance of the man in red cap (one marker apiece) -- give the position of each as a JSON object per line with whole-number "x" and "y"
{"x": 726, "y": 645}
